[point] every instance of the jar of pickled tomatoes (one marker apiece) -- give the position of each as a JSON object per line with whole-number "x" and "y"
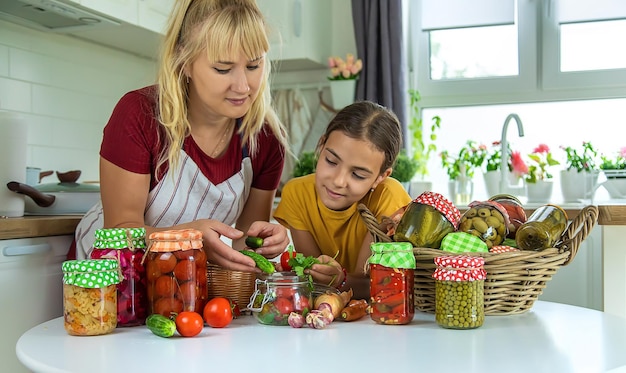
{"x": 392, "y": 266}
{"x": 127, "y": 246}
{"x": 176, "y": 272}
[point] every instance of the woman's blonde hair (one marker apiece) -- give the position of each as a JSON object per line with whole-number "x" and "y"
{"x": 221, "y": 29}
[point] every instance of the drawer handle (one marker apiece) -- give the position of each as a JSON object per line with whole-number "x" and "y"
{"x": 26, "y": 249}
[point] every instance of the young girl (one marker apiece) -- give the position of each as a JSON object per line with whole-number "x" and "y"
{"x": 355, "y": 158}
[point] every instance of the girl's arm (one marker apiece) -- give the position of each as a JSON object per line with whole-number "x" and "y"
{"x": 304, "y": 243}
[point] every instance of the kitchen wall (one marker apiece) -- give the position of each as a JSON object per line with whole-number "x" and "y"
{"x": 64, "y": 89}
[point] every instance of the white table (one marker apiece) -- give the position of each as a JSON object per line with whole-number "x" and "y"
{"x": 550, "y": 337}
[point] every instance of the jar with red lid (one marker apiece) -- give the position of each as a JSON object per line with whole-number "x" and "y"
{"x": 427, "y": 220}
{"x": 127, "y": 246}
{"x": 392, "y": 276}
{"x": 486, "y": 220}
{"x": 459, "y": 291}
{"x": 176, "y": 272}
{"x": 513, "y": 206}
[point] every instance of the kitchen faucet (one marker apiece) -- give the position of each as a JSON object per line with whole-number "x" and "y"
{"x": 504, "y": 149}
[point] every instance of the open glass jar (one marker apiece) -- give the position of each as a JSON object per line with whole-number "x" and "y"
{"x": 277, "y": 295}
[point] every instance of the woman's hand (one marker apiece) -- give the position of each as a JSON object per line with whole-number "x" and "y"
{"x": 275, "y": 238}
{"x": 328, "y": 271}
{"x": 218, "y": 252}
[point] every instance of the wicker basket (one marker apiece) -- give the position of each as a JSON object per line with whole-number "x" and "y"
{"x": 234, "y": 285}
{"x": 514, "y": 279}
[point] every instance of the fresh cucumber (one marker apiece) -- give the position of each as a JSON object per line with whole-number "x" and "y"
{"x": 161, "y": 325}
{"x": 254, "y": 242}
{"x": 261, "y": 261}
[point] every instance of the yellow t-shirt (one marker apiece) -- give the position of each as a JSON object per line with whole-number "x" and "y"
{"x": 336, "y": 231}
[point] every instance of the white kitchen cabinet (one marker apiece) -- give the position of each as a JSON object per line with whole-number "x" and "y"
{"x": 298, "y": 40}
{"x": 125, "y": 10}
{"x": 153, "y": 14}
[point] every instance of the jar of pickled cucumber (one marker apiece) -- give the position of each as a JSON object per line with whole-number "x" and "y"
{"x": 543, "y": 229}
{"x": 176, "y": 272}
{"x": 277, "y": 295}
{"x": 126, "y": 245}
{"x": 392, "y": 275}
{"x": 90, "y": 296}
{"x": 486, "y": 220}
{"x": 459, "y": 291}
{"x": 513, "y": 207}
{"x": 427, "y": 220}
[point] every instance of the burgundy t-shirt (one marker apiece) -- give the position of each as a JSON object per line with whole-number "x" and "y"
{"x": 131, "y": 141}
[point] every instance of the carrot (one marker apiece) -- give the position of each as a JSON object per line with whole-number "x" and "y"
{"x": 355, "y": 310}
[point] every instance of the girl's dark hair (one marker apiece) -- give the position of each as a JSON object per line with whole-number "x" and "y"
{"x": 366, "y": 120}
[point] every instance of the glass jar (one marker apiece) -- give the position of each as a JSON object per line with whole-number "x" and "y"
{"x": 392, "y": 276}
{"x": 176, "y": 272}
{"x": 486, "y": 220}
{"x": 427, "y": 220}
{"x": 277, "y": 295}
{"x": 459, "y": 291}
{"x": 513, "y": 206}
{"x": 543, "y": 229}
{"x": 127, "y": 246}
{"x": 90, "y": 296}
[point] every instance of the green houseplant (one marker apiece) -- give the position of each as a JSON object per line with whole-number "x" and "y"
{"x": 404, "y": 168}
{"x": 580, "y": 176}
{"x": 422, "y": 147}
{"x": 306, "y": 164}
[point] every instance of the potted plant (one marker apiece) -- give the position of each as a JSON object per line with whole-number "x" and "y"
{"x": 580, "y": 176}
{"x": 306, "y": 164}
{"x": 539, "y": 179}
{"x": 516, "y": 168}
{"x": 343, "y": 76}
{"x": 614, "y": 169}
{"x": 404, "y": 169}
{"x": 422, "y": 146}
{"x": 461, "y": 169}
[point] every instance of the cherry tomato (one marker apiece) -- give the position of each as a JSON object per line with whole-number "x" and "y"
{"x": 284, "y": 259}
{"x": 189, "y": 323}
{"x": 235, "y": 308}
{"x": 301, "y": 303}
{"x": 283, "y": 305}
{"x": 218, "y": 313}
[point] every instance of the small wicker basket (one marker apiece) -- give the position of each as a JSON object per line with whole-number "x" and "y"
{"x": 514, "y": 279}
{"x": 234, "y": 285}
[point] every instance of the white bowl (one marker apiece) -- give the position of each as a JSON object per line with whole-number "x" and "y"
{"x": 616, "y": 187}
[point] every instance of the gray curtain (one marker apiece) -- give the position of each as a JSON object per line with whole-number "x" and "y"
{"x": 379, "y": 43}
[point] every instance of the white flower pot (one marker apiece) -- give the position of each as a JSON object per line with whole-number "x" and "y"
{"x": 576, "y": 186}
{"x": 342, "y": 92}
{"x": 540, "y": 191}
{"x": 492, "y": 184}
{"x": 461, "y": 191}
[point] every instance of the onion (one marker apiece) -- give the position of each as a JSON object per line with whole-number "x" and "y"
{"x": 333, "y": 300}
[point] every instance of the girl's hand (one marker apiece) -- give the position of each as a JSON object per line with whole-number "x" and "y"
{"x": 328, "y": 271}
{"x": 275, "y": 238}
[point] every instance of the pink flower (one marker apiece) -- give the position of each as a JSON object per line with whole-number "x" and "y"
{"x": 622, "y": 152}
{"x": 542, "y": 148}
{"x": 331, "y": 62}
{"x": 341, "y": 69}
{"x": 520, "y": 168}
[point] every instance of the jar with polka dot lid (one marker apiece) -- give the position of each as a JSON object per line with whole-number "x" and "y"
{"x": 459, "y": 291}
{"x": 127, "y": 246}
{"x": 90, "y": 296}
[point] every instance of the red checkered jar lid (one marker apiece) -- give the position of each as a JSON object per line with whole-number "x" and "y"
{"x": 442, "y": 204}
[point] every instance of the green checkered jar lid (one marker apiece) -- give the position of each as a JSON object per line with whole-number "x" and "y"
{"x": 393, "y": 254}
{"x": 91, "y": 273}
{"x": 120, "y": 238}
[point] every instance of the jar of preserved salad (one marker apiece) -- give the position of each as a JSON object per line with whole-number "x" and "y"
{"x": 127, "y": 246}
{"x": 277, "y": 295}
{"x": 176, "y": 272}
{"x": 90, "y": 296}
{"x": 543, "y": 229}
{"x": 459, "y": 291}
{"x": 392, "y": 275}
{"x": 427, "y": 220}
{"x": 513, "y": 206}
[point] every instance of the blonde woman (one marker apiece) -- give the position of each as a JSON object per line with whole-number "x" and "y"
{"x": 202, "y": 148}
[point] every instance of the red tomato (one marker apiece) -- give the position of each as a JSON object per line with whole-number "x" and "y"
{"x": 284, "y": 259}
{"x": 189, "y": 323}
{"x": 218, "y": 313}
{"x": 283, "y": 305}
{"x": 301, "y": 303}
{"x": 235, "y": 308}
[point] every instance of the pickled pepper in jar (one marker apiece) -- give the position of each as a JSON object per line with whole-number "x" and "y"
{"x": 392, "y": 267}
{"x": 126, "y": 245}
{"x": 459, "y": 291}
{"x": 176, "y": 272}
{"x": 90, "y": 296}
{"x": 427, "y": 220}
{"x": 543, "y": 229}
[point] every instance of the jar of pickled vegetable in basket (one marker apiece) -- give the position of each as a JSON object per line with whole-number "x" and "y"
{"x": 176, "y": 272}
{"x": 543, "y": 229}
{"x": 459, "y": 291}
{"x": 427, "y": 220}
{"x": 90, "y": 296}
{"x": 487, "y": 220}
{"x": 127, "y": 246}
{"x": 392, "y": 266}
{"x": 513, "y": 206}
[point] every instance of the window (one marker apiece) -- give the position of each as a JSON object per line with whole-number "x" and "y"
{"x": 499, "y": 51}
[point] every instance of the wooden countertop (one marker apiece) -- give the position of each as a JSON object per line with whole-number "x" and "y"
{"x": 38, "y": 226}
